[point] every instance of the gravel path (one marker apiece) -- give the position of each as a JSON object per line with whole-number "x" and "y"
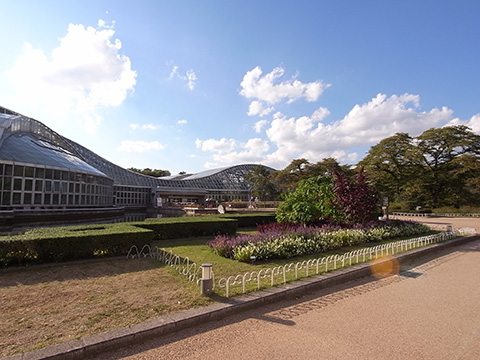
{"x": 431, "y": 310}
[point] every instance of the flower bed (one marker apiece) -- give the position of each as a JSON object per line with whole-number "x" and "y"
{"x": 283, "y": 241}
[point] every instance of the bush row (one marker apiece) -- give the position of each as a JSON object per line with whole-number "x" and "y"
{"x": 46, "y": 245}
{"x": 251, "y": 220}
{"x": 66, "y": 243}
{"x": 284, "y": 244}
{"x": 173, "y": 228}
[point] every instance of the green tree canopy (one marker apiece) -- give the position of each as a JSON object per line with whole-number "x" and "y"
{"x": 311, "y": 200}
{"x": 150, "y": 172}
{"x": 301, "y": 169}
{"x": 437, "y": 168}
{"x": 260, "y": 181}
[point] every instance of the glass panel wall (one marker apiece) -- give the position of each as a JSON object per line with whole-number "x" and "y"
{"x": 34, "y": 187}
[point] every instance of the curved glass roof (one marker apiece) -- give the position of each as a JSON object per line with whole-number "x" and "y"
{"x": 28, "y": 140}
{"x": 21, "y": 141}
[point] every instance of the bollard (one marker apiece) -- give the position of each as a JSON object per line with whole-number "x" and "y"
{"x": 207, "y": 280}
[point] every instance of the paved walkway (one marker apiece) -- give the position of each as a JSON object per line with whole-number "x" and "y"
{"x": 443, "y": 222}
{"x": 431, "y": 310}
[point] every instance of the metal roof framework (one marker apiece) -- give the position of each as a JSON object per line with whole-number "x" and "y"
{"x": 56, "y": 150}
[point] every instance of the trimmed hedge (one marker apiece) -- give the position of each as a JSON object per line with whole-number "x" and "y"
{"x": 183, "y": 227}
{"x": 66, "y": 243}
{"x": 251, "y": 220}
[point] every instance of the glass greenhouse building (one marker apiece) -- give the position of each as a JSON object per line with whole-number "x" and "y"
{"x": 40, "y": 169}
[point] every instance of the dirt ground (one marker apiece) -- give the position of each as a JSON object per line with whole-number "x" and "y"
{"x": 41, "y": 306}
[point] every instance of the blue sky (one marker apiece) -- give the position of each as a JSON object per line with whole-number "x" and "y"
{"x": 193, "y": 85}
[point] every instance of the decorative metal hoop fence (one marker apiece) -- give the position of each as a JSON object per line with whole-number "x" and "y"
{"x": 294, "y": 271}
{"x": 184, "y": 266}
{"x": 269, "y": 277}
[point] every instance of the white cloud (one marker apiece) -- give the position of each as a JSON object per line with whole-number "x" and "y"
{"x": 150, "y": 127}
{"x": 222, "y": 145}
{"x": 182, "y": 122}
{"x": 173, "y": 73}
{"x": 313, "y": 138}
{"x": 259, "y": 125}
{"x": 265, "y": 88}
{"x": 229, "y": 151}
{"x": 257, "y": 108}
{"x": 84, "y": 73}
{"x": 144, "y": 126}
{"x": 473, "y": 123}
{"x": 140, "y": 146}
{"x": 365, "y": 125}
{"x": 103, "y": 24}
{"x": 190, "y": 78}
{"x": 256, "y": 145}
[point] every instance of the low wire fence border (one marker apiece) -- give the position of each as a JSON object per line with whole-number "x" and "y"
{"x": 184, "y": 266}
{"x": 329, "y": 263}
{"x": 419, "y": 214}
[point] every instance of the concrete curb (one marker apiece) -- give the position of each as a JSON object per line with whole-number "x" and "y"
{"x": 89, "y": 346}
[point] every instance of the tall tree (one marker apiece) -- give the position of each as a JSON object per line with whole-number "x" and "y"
{"x": 391, "y": 164}
{"x": 300, "y": 169}
{"x": 441, "y": 151}
{"x": 288, "y": 178}
{"x": 327, "y": 166}
{"x": 260, "y": 181}
{"x": 437, "y": 168}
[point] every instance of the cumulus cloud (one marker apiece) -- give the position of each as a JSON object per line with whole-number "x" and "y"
{"x": 230, "y": 151}
{"x": 473, "y": 123}
{"x": 364, "y": 125}
{"x": 190, "y": 78}
{"x": 312, "y": 137}
{"x": 84, "y": 73}
{"x": 259, "y": 125}
{"x": 222, "y": 145}
{"x": 268, "y": 90}
{"x": 182, "y": 122}
{"x": 265, "y": 88}
{"x": 103, "y": 24}
{"x": 140, "y": 146}
{"x": 257, "y": 108}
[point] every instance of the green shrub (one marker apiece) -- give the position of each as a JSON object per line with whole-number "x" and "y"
{"x": 251, "y": 220}
{"x": 183, "y": 227}
{"x": 56, "y": 244}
